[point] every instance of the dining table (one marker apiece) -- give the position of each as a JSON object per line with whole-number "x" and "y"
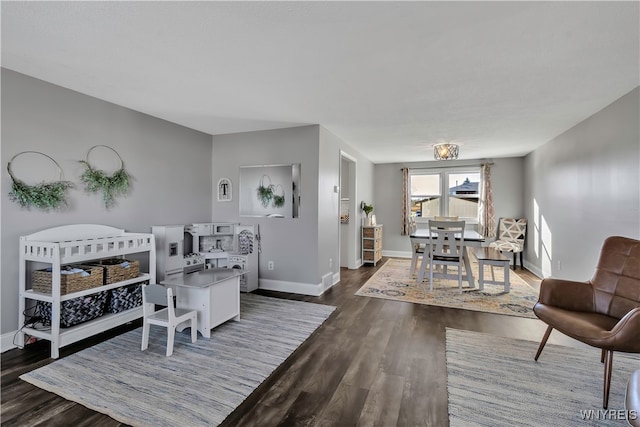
{"x": 471, "y": 238}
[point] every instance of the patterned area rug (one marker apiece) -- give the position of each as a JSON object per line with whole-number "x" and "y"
{"x": 201, "y": 384}
{"x": 393, "y": 281}
{"x": 494, "y": 382}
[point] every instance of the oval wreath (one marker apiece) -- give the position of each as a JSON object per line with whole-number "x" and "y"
{"x": 96, "y": 180}
{"x": 278, "y": 199}
{"x": 44, "y": 196}
{"x": 265, "y": 190}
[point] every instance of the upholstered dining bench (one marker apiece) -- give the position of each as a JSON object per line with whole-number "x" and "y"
{"x": 492, "y": 257}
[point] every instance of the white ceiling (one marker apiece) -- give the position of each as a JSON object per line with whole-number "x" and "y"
{"x": 389, "y": 78}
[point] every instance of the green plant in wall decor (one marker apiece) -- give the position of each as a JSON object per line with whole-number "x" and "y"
{"x": 265, "y": 190}
{"x": 44, "y": 196}
{"x": 278, "y": 199}
{"x": 111, "y": 186}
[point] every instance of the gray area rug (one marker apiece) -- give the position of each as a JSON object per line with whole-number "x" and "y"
{"x": 494, "y": 381}
{"x": 201, "y": 384}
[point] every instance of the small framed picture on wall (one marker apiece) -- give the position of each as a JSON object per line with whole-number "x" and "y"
{"x": 224, "y": 190}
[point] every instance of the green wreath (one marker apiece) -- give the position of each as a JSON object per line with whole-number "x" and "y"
{"x": 45, "y": 196}
{"x": 112, "y": 186}
{"x": 278, "y": 199}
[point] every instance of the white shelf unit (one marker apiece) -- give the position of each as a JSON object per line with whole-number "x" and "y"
{"x": 74, "y": 244}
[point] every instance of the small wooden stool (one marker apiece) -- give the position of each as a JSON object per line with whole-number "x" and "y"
{"x": 492, "y": 257}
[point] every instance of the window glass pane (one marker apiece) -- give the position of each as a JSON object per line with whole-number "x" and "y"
{"x": 464, "y": 192}
{"x": 425, "y": 185}
{"x": 425, "y": 195}
{"x": 425, "y": 206}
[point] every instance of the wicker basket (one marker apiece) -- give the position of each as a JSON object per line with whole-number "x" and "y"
{"x": 119, "y": 269}
{"x": 76, "y": 310}
{"x": 125, "y": 298}
{"x": 74, "y": 282}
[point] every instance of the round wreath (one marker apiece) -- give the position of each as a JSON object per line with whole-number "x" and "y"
{"x": 96, "y": 180}
{"x": 265, "y": 190}
{"x": 44, "y": 196}
{"x": 278, "y": 199}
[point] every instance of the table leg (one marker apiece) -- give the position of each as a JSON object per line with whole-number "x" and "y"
{"x": 480, "y": 274}
{"x": 193, "y": 299}
{"x": 507, "y": 284}
{"x": 467, "y": 266}
{"x": 423, "y": 267}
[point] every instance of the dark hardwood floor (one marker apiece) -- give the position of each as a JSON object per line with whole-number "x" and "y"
{"x": 374, "y": 362}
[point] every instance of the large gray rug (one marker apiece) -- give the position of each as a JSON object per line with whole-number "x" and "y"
{"x": 201, "y": 384}
{"x": 494, "y": 381}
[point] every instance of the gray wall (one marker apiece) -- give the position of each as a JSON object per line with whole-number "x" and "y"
{"x": 582, "y": 187}
{"x": 507, "y": 176}
{"x": 170, "y": 164}
{"x": 303, "y": 249}
{"x": 291, "y": 243}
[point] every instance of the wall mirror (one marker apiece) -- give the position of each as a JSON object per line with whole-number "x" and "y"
{"x": 270, "y": 191}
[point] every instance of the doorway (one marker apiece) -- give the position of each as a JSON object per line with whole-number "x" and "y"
{"x": 348, "y": 212}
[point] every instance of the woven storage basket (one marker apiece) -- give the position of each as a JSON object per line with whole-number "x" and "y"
{"x": 119, "y": 269}
{"x": 75, "y": 282}
{"x": 76, "y": 310}
{"x": 125, "y": 298}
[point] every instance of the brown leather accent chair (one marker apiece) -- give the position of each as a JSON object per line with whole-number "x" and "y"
{"x": 603, "y": 312}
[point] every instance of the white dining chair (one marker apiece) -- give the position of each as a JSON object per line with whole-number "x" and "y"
{"x": 446, "y": 250}
{"x": 417, "y": 252}
{"x": 168, "y": 317}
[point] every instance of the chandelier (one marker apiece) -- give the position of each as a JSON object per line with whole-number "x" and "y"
{"x": 445, "y": 151}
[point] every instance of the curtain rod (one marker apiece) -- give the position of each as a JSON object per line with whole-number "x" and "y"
{"x": 444, "y": 167}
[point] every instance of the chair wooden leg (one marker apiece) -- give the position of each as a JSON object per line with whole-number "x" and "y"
{"x": 602, "y": 353}
{"x": 515, "y": 261}
{"x": 521, "y": 264}
{"x": 608, "y": 362}
{"x": 171, "y": 332}
{"x": 145, "y": 336}
{"x": 543, "y": 342}
{"x": 430, "y": 274}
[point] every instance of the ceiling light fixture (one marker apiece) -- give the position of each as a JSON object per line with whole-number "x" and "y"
{"x": 445, "y": 151}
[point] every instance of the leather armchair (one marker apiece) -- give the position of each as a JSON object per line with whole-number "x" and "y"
{"x": 603, "y": 312}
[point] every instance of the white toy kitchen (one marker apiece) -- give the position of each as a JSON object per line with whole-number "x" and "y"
{"x": 184, "y": 249}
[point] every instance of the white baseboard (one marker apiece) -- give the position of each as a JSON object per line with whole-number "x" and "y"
{"x": 397, "y": 254}
{"x": 336, "y": 278}
{"x": 6, "y": 341}
{"x": 292, "y": 287}
{"x": 533, "y": 268}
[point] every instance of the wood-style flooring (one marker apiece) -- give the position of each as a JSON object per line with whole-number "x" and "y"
{"x": 374, "y": 362}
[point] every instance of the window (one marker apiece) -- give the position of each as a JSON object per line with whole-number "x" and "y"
{"x": 445, "y": 192}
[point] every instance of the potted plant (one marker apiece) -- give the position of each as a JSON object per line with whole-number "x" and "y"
{"x": 367, "y": 209}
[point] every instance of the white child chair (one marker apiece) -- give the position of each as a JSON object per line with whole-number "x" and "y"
{"x": 168, "y": 317}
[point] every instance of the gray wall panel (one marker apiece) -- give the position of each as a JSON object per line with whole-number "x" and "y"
{"x": 170, "y": 165}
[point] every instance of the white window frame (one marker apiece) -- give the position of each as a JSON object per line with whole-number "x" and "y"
{"x": 444, "y": 189}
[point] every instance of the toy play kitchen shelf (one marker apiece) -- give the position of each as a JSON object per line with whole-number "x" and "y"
{"x": 78, "y": 244}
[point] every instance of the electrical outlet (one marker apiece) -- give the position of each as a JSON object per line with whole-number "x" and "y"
{"x": 270, "y": 265}
{"x": 330, "y": 262}
{"x": 558, "y": 265}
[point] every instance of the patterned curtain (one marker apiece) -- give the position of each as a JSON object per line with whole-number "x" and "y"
{"x": 487, "y": 223}
{"x": 406, "y": 208}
